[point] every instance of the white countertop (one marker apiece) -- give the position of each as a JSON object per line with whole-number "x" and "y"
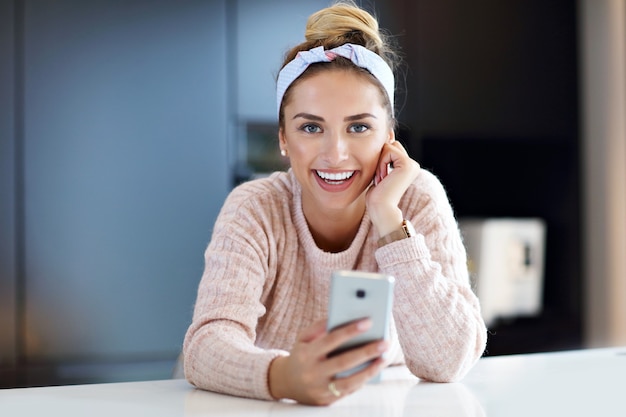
{"x": 576, "y": 383}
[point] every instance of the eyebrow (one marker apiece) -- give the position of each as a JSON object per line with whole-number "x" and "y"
{"x": 346, "y": 119}
{"x": 309, "y": 116}
{"x": 359, "y": 117}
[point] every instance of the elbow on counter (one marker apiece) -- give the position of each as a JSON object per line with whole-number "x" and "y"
{"x": 452, "y": 361}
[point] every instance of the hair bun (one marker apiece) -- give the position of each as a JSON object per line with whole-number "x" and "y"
{"x": 345, "y": 22}
{"x": 341, "y": 23}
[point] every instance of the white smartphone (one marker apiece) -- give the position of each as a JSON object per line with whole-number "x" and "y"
{"x": 355, "y": 295}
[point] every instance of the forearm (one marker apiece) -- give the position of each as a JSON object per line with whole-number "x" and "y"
{"x": 438, "y": 317}
{"x": 440, "y": 330}
{"x": 218, "y": 359}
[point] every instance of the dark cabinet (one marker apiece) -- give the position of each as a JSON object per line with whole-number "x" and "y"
{"x": 491, "y": 108}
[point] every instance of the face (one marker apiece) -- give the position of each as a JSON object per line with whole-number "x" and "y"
{"x": 335, "y": 126}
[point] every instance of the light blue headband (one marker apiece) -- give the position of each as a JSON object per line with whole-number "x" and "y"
{"x": 359, "y": 55}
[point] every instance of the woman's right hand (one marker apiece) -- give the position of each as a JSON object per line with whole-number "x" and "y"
{"x": 307, "y": 372}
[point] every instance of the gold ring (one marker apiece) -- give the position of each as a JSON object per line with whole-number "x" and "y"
{"x": 333, "y": 389}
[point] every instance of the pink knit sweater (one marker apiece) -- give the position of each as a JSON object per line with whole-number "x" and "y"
{"x": 265, "y": 279}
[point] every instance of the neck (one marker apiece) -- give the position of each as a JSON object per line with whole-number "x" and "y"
{"x": 334, "y": 230}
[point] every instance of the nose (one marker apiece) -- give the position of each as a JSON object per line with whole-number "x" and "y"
{"x": 335, "y": 148}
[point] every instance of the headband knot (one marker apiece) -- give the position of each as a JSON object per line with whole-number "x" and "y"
{"x": 359, "y": 55}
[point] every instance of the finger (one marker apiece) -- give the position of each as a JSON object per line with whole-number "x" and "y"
{"x": 384, "y": 160}
{"x": 398, "y": 145}
{"x": 313, "y": 332}
{"x": 357, "y": 356}
{"x": 401, "y": 161}
{"x": 347, "y": 385}
{"x": 340, "y": 335}
{"x": 397, "y": 154}
{"x": 391, "y": 155}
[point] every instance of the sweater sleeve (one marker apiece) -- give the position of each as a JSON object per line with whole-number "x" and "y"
{"x": 219, "y": 347}
{"x": 439, "y": 324}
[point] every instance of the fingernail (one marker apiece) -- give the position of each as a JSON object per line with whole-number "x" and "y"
{"x": 383, "y": 346}
{"x": 364, "y": 324}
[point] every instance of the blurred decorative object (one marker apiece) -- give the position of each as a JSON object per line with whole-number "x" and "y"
{"x": 258, "y": 151}
{"x": 506, "y": 264}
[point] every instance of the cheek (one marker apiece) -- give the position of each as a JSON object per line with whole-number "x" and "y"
{"x": 300, "y": 151}
{"x": 301, "y": 156}
{"x": 370, "y": 159}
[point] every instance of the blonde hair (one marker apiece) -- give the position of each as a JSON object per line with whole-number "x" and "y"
{"x": 341, "y": 23}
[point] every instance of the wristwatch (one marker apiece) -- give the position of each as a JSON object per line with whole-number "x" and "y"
{"x": 406, "y": 230}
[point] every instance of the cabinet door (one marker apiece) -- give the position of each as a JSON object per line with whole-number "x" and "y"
{"x": 7, "y": 197}
{"x": 125, "y": 170}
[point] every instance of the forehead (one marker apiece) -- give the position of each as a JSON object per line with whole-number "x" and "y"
{"x": 337, "y": 89}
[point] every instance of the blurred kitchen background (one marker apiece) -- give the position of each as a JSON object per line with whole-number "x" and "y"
{"x": 124, "y": 124}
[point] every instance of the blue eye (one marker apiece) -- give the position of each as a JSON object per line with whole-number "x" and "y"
{"x": 310, "y": 128}
{"x": 358, "y": 128}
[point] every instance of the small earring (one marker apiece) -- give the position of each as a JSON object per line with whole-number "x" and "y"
{"x": 283, "y": 152}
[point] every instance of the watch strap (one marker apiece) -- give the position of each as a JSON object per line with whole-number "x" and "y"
{"x": 405, "y": 231}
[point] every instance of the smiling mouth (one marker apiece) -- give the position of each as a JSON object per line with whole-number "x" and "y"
{"x": 335, "y": 178}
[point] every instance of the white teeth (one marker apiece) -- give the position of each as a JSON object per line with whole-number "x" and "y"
{"x": 339, "y": 176}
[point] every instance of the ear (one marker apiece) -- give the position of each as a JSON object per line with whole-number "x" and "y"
{"x": 282, "y": 143}
{"x": 392, "y": 136}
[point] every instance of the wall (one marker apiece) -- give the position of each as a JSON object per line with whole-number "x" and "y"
{"x": 603, "y": 84}
{"x": 122, "y": 167}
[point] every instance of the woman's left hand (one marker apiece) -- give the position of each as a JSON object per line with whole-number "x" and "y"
{"x": 389, "y": 186}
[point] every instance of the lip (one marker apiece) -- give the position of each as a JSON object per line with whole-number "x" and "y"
{"x": 334, "y": 187}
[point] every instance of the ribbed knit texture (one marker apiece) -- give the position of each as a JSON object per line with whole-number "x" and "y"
{"x": 265, "y": 280}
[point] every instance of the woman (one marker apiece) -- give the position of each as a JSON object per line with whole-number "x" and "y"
{"x": 259, "y": 322}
